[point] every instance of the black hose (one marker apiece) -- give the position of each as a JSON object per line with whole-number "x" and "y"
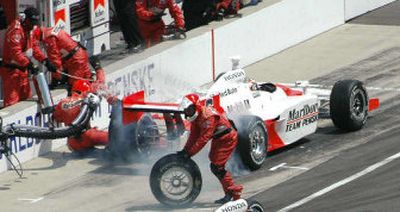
{"x": 77, "y": 126}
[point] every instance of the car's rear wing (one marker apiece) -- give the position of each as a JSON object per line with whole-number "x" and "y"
{"x": 134, "y": 106}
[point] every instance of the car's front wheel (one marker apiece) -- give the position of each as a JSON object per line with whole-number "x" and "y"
{"x": 349, "y": 105}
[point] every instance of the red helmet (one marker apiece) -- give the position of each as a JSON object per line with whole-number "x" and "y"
{"x": 189, "y": 105}
{"x": 81, "y": 87}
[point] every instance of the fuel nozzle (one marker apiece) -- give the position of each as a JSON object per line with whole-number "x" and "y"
{"x": 43, "y": 91}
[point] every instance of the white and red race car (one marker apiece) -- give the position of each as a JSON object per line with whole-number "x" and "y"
{"x": 269, "y": 116}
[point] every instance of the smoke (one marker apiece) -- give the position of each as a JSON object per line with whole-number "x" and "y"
{"x": 236, "y": 166}
{"x": 120, "y": 137}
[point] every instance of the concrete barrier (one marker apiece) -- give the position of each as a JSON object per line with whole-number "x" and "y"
{"x": 168, "y": 71}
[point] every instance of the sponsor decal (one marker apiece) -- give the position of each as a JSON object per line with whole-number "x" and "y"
{"x": 16, "y": 38}
{"x": 234, "y": 76}
{"x": 68, "y": 105}
{"x": 99, "y": 11}
{"x": 303, "y": 117}
{"x": 231, "y": 208}
{"x": 18, "y": 144}
{"x": 239, "y": 106}
{"x": 133, "y": 81}
{"x": 228, "y": 92}
{"x": 59, "y": 20}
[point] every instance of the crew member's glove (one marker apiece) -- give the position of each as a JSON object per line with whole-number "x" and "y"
{"x": 32, "y": 68}
{"x": 183, "y": 154}
{"x": 49, "y": 65}
{"x": 112, "y": 99}
{"x": 95, "y": 62}
{"x": 94, "y": 100}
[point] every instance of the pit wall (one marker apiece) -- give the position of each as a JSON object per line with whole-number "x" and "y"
{"x": 170, "y": 73}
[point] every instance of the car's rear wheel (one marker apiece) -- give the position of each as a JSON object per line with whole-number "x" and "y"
{"x": 253, "y": 140}
{"x": 349, "y": 105}
{"x": 147, "y": 136}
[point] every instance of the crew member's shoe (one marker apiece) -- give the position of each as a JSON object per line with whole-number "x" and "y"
{"x": 136, "y": 49}
{"x": 235, "y": 191}
{"x": 224, "y": 199}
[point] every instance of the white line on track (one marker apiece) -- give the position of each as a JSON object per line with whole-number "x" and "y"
{"x": 31, "y": 200}
{"x": 283, "y": 165}
{"x": 277, "y": 167}
{"x": 340, "y": 183}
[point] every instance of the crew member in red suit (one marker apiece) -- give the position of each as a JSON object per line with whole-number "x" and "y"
{"x": 68, "y": 109}
{"x": 19, "y": 48}
{"x": 227, "y": 7}
{"x": 66, "y": 54}
{"x": 150, "y": 12}
{"x": 207, "y": 124}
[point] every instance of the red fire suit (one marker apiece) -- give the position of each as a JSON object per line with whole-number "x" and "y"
{"x": 202, "y": 130}
{"x": 18, "y": 49}
{"x": 66, "y": 111}
{"x": 231, "y": 6}
{"x": 66, "y": 53}
{"x": 151, "y": 25}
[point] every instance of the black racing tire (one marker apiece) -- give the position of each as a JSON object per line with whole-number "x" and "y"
{"x": 254, "y": 206}
{"x": 146, "y": 136}
{"x": 253, "y": 140}
{"x": 349, "y": 105}
{"x": 175, "y": 181}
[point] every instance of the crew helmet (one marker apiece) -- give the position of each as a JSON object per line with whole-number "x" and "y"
{"x": 189, "y": 105}
{"x": 81, "y": 87}
{"x": 32, "y": 14}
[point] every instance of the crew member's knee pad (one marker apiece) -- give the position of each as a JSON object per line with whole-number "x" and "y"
{"x": 218, "y": 171}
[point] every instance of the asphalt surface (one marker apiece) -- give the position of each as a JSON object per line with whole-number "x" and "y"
{"x": 363, "y": 177}
{"x": 311, "y": 171}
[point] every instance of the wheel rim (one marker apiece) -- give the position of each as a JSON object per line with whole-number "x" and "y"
{"x": 256, "y": 208}
{"x": 146, "y": 138}
{"x": 257, "y": 139}
{"x": 176, "y": 183}
{"x": 358, "y": 104}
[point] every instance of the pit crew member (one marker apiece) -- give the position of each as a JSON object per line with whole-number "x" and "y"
{"x": 150, "y": 12}
{"x": 68, "y": 109}
{"x": 207, "y": 124}
{"x": 67, "y": 55}
{"x": 19, "y": 49}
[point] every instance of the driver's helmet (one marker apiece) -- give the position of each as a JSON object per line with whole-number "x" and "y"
{"x": 190, "y": 106}
{"x": 252, "y": 84}
{"x": 81, "y": 88}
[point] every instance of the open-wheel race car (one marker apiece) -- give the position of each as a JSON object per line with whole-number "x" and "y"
{"x": 267, "y": 116}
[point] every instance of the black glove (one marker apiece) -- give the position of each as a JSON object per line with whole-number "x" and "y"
{"x": 49, "y": 65}
{"x": 183, "y": 154}
{"x": 95, "y": 62}
{"x": 32, "y": 68}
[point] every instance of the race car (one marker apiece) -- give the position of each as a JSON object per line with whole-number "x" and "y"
{"x": 269, "y": 116}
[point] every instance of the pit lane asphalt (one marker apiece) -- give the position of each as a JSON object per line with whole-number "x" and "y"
{"x": 348, "y": 181}
{"x": 61, "y": 181}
